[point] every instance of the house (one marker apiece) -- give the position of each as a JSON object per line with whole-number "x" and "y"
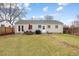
{"x": 4, "y": 23}
{"x": 51, "y": 26}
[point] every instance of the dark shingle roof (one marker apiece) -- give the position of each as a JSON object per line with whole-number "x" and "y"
{"x": 38, "y": 22}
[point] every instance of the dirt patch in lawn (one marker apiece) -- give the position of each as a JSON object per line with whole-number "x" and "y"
{"x": 63, "y": 43}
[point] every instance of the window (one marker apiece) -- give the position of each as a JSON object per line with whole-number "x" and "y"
{"x": 9, "y": 26}
{"x": 30, "y": 27}
{"x": 43, "y": 27}
{"x": 39, "y": 26}
{"x": 49, "y": 26}
{"x": 22, "y": 28}
{"x": 56, "y": 26}
{"x": 18, "y": 28}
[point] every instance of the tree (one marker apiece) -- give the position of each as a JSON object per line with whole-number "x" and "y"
{"x": 75, "y": 23}
{"x": 77, "y": 16}
{"x": 74, "y": 29}
{"x": 10, "y": 12}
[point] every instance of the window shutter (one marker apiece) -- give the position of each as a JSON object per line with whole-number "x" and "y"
{"x": 30, "y": 27}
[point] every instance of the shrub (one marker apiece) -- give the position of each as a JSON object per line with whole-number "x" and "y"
{"x": 28, "y": 32}
{"x": 38, "y": 32}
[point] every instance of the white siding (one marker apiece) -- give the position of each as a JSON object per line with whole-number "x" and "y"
{"x": 35, "y": 27}
{"x": 55, "y": 30}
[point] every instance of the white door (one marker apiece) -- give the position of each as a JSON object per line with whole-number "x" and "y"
{"x": 43, "y": 29}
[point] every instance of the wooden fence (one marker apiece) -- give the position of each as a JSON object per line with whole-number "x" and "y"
{"x": 74, "y": 31}
{"x": 6, "y": 30}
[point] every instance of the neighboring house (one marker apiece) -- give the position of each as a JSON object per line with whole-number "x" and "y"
{"x": 4, "y": 24}
{"x": 51, "y": 26}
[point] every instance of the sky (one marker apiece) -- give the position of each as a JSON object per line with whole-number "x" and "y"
{"x": 64, "y": 12}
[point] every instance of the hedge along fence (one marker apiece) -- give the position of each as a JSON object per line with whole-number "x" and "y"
{"x": 6, "y": 30}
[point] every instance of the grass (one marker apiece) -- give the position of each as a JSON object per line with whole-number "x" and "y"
{"x": 39, "y": 45}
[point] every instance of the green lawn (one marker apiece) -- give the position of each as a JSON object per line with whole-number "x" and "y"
{"x": 39, "y": 45}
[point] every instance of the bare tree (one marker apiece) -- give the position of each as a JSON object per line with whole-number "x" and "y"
{"x": 77, "y": 16}
{"x": 10, "y": 11}
{"x": 74, "y": 29}
{"x": 75, "y": 23}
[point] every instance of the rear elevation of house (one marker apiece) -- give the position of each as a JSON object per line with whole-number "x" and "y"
{"x": 51, "y": 26}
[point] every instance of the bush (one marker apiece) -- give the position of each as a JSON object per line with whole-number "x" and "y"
{"x": 28, "y": 32}
{"x": 38, "y": 32}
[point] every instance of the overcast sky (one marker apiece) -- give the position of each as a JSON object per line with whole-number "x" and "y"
{"x": 64, "y": 12}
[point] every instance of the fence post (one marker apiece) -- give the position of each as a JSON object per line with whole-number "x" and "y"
{"x": 5, "y": 30}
